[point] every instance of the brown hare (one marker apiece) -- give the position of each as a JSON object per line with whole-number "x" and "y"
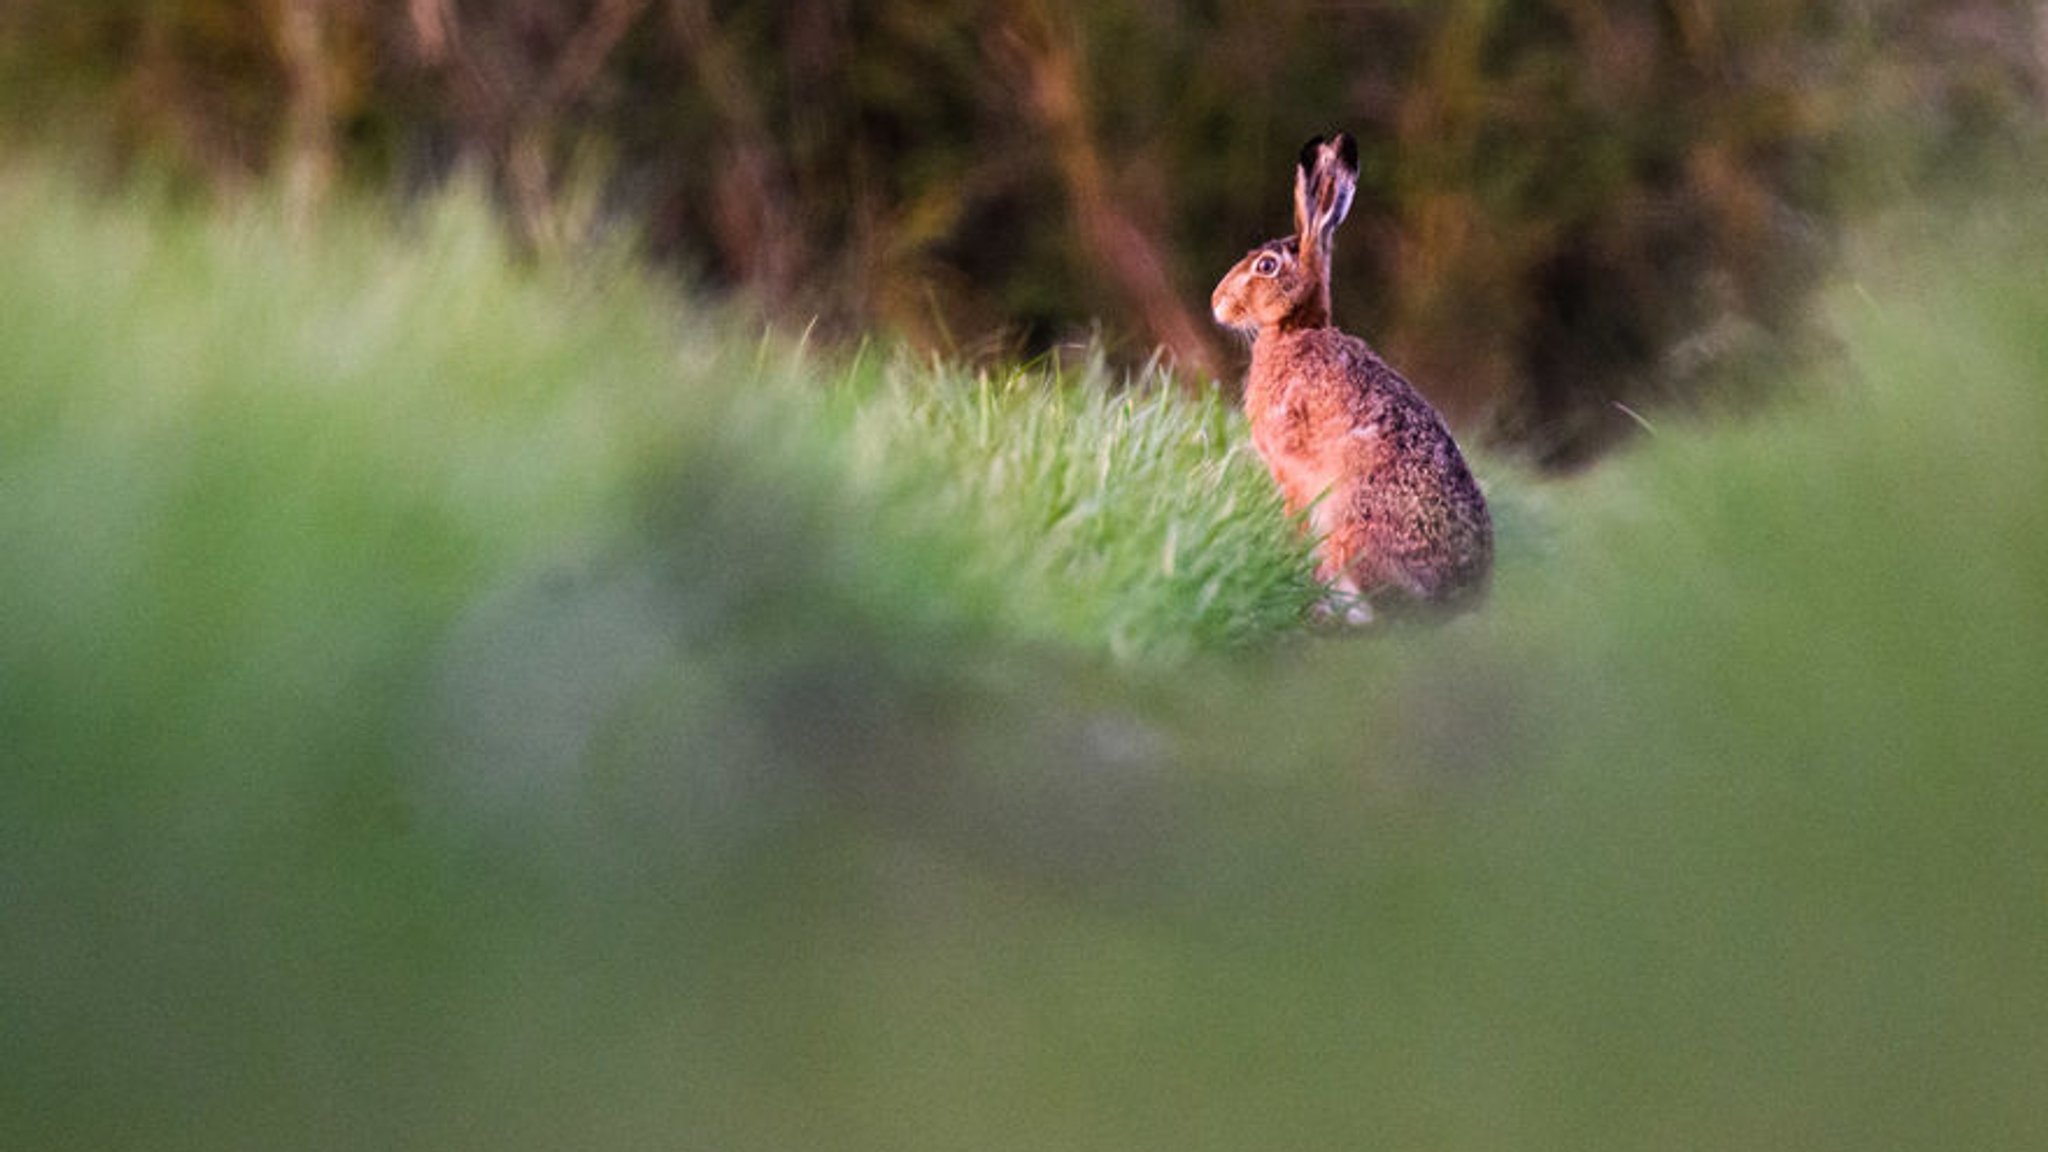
{"x": 1389, "y": 497}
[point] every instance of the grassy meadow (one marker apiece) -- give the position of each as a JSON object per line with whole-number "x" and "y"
{"x": 450, "y": 703}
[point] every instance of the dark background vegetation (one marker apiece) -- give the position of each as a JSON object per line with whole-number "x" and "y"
{"x": 1565, "y": 205}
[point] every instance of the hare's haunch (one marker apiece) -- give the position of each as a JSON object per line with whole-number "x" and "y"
{"x": 1389, "y": 497}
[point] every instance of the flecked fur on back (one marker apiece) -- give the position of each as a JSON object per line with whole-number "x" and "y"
{"x": 1350, "y": 440}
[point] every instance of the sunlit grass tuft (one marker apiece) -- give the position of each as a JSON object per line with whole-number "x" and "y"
{"x": 1071, "y": 509}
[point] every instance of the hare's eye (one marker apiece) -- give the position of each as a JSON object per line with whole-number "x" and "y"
{"x": 1266, "y": 265}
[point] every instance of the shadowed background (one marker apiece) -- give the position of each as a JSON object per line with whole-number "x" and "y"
{"x": 1563, "y": 205}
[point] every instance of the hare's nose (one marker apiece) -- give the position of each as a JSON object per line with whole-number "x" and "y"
{"x": 1222, "y": 306}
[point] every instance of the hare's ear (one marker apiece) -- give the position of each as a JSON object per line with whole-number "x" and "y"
{"x": 1324, "y": 182}
{"x": 1305, "y": 186}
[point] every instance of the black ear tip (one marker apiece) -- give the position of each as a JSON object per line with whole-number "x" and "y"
{"x": 1308, "y": 153}
{"x": 1342, "y": 142}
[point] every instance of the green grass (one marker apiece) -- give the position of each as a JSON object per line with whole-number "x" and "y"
{"x": 453, "y": 704}
{"x": 1068, "y": 509}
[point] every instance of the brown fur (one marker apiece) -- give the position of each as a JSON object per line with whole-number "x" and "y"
{"x": 1388, "y": 495}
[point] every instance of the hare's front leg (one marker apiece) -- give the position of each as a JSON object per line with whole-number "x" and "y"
{"x": 1344, "y": 602}
{"x": 1340, "y": 547}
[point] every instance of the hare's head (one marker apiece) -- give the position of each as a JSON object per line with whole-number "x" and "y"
{"x": 1285, "y": 284}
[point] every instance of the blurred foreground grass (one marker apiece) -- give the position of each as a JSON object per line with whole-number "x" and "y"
{"x": 451, "y": 705}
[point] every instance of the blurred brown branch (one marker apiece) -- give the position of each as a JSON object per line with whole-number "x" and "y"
{"x": 515, "y": 101}
{"x": 310, "y": 158}
{"x": 1119, "y": 247}
{"x": 759, "y": 232}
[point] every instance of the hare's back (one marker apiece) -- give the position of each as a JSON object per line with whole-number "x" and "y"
{"x": 1382, "y": 403}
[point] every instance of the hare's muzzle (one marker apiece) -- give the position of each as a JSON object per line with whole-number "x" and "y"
{"x": 1225, "y": 306}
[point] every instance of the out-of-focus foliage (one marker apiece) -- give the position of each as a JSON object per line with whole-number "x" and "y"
{"x": 1564, "y": 204}
{"x": 448, "y": 703}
